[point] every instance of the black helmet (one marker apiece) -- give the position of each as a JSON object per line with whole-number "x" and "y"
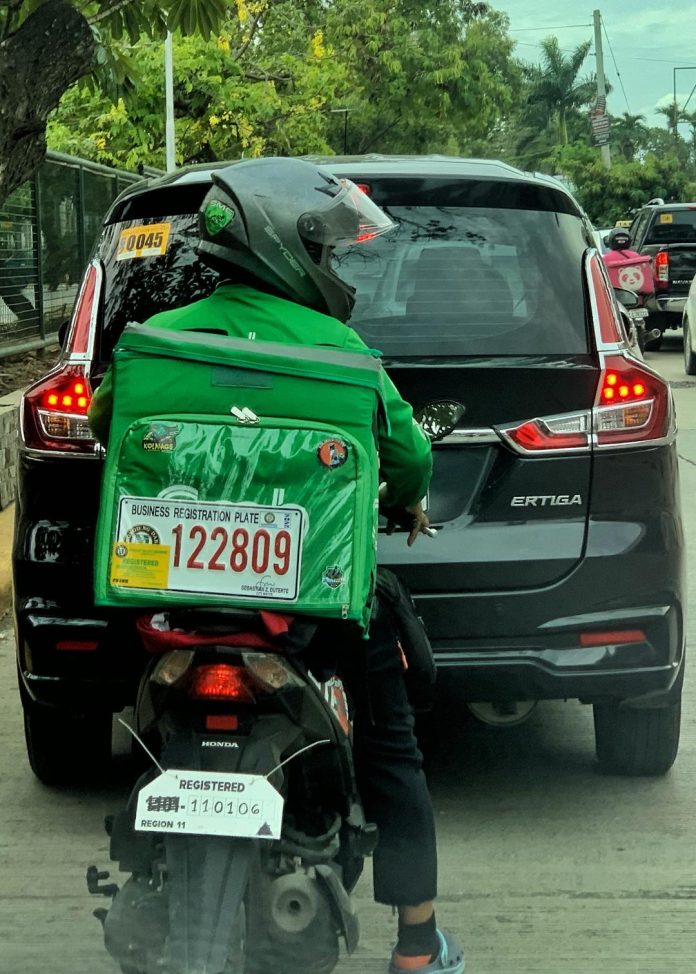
{"x": 617, "y": 239}
{"x": 277, "y": 220}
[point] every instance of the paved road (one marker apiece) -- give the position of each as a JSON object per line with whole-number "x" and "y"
{"x": 547, "y": 866}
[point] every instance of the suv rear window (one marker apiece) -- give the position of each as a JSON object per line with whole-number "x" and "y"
{"x": 471, "y": 269}
{"x": 673, "y": 226}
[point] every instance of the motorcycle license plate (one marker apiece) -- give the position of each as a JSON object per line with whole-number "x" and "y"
{"x": 637, "y": 314}
{"x": 244, "y": 806}
{"x": 248, "y": 551}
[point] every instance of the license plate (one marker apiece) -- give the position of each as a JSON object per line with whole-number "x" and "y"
{"x": 247, "y": 551}
{"x": 637, "y": 314}
{"x": 243, "y": 806}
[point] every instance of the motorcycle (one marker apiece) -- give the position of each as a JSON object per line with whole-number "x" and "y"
{"x": 246, "y": 836}
{"x": 633, "y": 275}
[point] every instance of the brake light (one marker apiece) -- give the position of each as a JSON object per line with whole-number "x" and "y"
{"x": 661, "y": 268}
{"x": 609, "y": 322}
{"x": 220, "y": 681}
{"x": 78, "y": 339}
{"x": 54, "y": 412}
{"x": 633, "y": 403}
{"x": 557, "y": 433}
{"x": 365, "y": 188}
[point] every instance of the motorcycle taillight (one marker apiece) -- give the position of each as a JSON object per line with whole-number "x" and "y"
{"x": 220, "y": 681}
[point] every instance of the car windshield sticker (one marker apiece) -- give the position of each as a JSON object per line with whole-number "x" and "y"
{"x": 145, "y": 240}
{"x": 666, "y": 218}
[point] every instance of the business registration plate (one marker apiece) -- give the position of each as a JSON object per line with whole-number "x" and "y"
{"x": 247, "y": 551}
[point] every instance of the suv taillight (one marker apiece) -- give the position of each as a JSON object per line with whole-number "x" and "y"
{"x": 633, "y": 405}
{"x": 661, "y": 268}
{"x": 54, "y": 412}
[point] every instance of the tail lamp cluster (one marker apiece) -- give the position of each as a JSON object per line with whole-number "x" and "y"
{"x": 632, "y": 405}
{"x": 258, "y": 673}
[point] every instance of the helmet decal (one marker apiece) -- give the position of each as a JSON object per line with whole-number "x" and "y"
{"x": 217, "y": 217}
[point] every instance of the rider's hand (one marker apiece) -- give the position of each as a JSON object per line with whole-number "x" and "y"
{"x": 420, "y": 523}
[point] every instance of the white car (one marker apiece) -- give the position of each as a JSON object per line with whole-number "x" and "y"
{"x": 689, "y": 326}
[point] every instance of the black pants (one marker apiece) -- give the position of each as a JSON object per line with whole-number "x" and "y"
{"x": 389, "y": 769}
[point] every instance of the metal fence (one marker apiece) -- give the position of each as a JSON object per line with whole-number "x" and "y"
{"x": 47, "y": 230}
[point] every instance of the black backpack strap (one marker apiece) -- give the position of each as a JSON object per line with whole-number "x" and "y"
{"x": 420, "y": 676}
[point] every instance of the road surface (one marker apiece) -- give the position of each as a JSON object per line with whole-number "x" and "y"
{"x": 546, "y": 865}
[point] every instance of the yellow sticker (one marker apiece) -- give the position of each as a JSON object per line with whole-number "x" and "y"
{"x": 139, "y": 565}
{"x": 666, "y": 218}
{"x": 145, "y": 240}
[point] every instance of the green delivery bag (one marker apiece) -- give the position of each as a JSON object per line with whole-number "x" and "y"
{"x": 240, "y": 473}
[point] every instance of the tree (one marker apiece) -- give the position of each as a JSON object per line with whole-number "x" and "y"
{"x": 673, "y": 114}
{"x": 611, "y": 195}
{"x": 48, "y": 45}
{"x": 628, "y": 134}
{"x": 272, "y": 78}
{"x": 556, "y": 85}
{"x": 422, "y": 79}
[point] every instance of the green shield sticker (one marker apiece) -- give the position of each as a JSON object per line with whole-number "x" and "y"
{"x": 217, "y": 217}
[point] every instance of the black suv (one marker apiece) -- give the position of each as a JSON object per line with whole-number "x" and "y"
{"x": 557, "y": 567}
{"x": 666, "y": 232}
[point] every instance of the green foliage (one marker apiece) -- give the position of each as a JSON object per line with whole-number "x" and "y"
{"x": 613, "y": 194}
{"x": 276, "y": 74}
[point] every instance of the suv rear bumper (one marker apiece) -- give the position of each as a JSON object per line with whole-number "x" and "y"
{"x": 533, "y": 676}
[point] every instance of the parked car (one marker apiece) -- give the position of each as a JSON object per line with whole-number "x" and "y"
{"x": 666, "y": 232}
{"x": 689, "y": 327}
{"x": 550, "y": 577}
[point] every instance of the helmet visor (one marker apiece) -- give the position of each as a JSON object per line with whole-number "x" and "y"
{"x": 350, "y": 217}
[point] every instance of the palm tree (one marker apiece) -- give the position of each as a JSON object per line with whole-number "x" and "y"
{"x": 673, "y": 114}
{"x": 628, "y": 134}
{"x": 557, "y": 85}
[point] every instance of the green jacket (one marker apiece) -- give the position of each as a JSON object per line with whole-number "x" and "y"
{"x": 243, "y": 312}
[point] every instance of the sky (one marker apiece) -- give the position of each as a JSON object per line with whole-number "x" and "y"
{"x": 648, "y": 39}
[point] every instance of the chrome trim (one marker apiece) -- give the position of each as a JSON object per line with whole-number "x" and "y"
{"x": 469, "y": 437}
{"x": 61, "y": 454}
{"x": 601, "y": 345}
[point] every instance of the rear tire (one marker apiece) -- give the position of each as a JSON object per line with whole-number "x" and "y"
{"x": 64, "y": 748}
{"x": 637, "y": 743}
{"x": 689, "y": 357}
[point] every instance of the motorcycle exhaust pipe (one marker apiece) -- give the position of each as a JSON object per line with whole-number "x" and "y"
{"x": 294, "y": 902}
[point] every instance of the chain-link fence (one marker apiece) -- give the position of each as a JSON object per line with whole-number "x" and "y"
{"x": 47, "y": 230}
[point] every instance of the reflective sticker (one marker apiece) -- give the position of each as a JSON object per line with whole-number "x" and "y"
{"x": 139, "y": 565}
{"x": 666, "y": 218}
{"x": 145, "y": 240}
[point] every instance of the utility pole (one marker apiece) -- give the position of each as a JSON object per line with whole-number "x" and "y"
{"x": 170, "y": 136}
{"x": 601, "y": 83}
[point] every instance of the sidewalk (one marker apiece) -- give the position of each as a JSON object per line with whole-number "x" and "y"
{"x": 6, "y": 534}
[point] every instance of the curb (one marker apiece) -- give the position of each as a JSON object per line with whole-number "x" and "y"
{"x": 6, "y": 535}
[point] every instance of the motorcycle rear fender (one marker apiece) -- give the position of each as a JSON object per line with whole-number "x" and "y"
{"x": 341, "y": 905}
{"x": 207, "y": 881}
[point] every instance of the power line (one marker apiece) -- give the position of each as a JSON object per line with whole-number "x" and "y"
{"x": 616, "y": 67}
{"x": 518, "y": 30}
{"x": 626, "y": 57}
